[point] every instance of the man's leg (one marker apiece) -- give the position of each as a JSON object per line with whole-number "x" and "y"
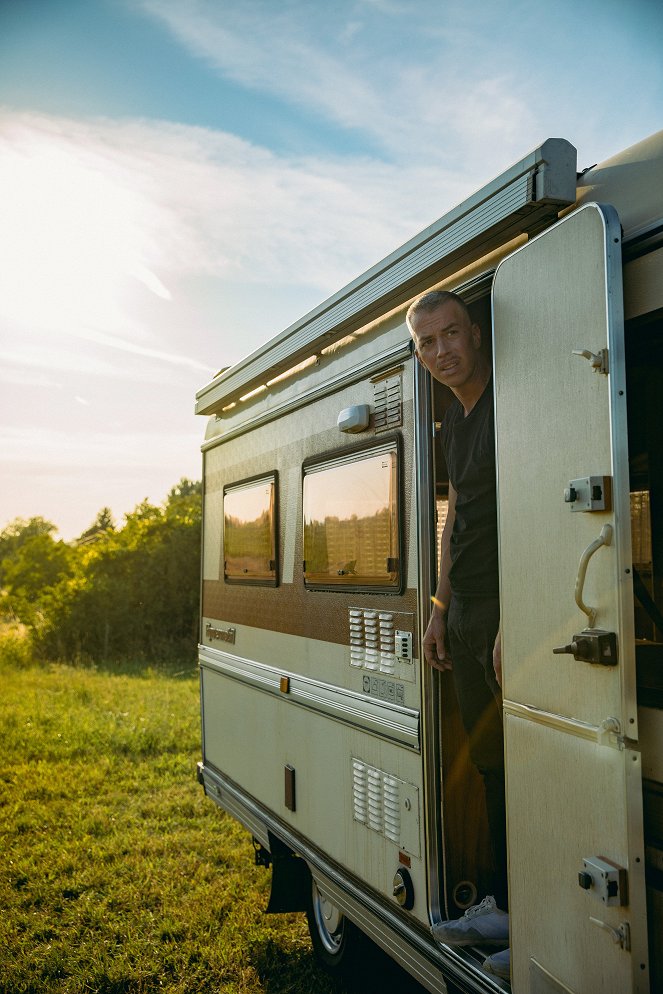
{"x": 472, "y": 626}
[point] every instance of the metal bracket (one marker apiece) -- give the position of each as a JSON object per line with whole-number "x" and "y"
{"x": 620, "y": 936}
{"x": 599, "y": 360}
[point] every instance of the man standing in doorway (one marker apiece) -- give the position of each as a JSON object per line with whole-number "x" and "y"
{"x": 463, "y": 632}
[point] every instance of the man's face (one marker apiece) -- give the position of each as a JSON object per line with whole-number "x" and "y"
{"x": 447, "y": 344}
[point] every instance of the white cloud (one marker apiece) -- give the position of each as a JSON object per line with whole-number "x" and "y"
{"x": 61, "y": 451}
{"x": 26, "y": 377}
{"x": 408, "y": 77}
{"x": 158, "y": 201}
{"x": 123, "y": 345}
{"x": 465, "y": 84}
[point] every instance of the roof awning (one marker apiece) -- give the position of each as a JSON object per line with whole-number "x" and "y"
{"x": 525, "y": 198}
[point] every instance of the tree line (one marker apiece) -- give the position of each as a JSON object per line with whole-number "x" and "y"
{"x": 114, "y": 593}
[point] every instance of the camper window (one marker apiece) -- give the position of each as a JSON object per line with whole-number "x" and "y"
{"x": 249, "y": 531}
{"x": 351, "y": 521}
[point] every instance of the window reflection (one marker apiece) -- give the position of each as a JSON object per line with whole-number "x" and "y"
{"x": 249, "y": 532}
{"x": 351, "y": 521}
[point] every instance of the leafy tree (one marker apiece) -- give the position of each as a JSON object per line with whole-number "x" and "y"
{"x": 36, "y": 565}
{"x": 185, "y": 488}
{"x": 102, "y": 523}
{"x": 136, "y": 593}
{"x": 16, "y": 534}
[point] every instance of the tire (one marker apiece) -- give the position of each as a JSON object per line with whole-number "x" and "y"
{"x": 337, "y": 943}
{"x": 347, "y": 954}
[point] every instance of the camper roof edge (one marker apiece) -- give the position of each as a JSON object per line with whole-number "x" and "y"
{"x": 525, "y": 197}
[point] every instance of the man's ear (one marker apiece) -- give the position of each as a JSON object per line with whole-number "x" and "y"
{"x": 418, "y": 357}
{"x": 476, "y": 336}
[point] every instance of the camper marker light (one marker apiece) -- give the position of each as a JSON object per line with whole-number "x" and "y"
{"x": 355, "y": 418}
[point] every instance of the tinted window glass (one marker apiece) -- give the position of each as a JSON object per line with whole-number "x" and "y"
{"x": 351, "y": 521}
{"x": 249, "y": 532}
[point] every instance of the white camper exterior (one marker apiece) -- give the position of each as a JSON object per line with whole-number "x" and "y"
{"x": 324, "y": 493}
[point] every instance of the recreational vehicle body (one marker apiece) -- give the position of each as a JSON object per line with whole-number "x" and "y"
{"x": 323, "y": 731}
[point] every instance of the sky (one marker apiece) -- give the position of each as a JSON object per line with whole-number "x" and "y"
{"x": 180, "y": 180}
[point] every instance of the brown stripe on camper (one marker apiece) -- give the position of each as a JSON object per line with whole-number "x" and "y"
{"x": 295, "y": 611}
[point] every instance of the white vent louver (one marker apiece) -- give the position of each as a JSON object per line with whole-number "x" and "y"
{"x": 388, "y": 403}
{"x": 376, "y": 800}
{"x": 372, "y": 637}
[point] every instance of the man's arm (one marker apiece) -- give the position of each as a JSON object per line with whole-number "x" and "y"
{"x": 497, "y": 656}
{"x": 435, "y": 652}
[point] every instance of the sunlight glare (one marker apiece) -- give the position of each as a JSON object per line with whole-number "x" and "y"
{"x": 73, "y": 233}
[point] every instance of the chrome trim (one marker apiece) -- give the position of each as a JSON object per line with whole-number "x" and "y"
{"x": 231, "y": 802}
{"x": 529, "y": 194}
{"x": 388, "y": 721}
{"x": 571, "y": 726}
{"x": 398, "y": 354}
{"x": 393, "y": 929}
{"x": 350, "y": 458}
{"x": 637, "y": 872}
{"x": 621, "y": 499}
{"x": 427, "y": 582}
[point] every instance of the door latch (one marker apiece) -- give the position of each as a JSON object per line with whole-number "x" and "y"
{"x": 589, "y": 493}
{"x": 592, "y": 645}
{"x": 621, "y": 936}
{"x": 604, "y": 880}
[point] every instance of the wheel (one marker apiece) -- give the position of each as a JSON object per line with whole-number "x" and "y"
{"x": 345, "y": 952}
{"x": 336, "y": 941}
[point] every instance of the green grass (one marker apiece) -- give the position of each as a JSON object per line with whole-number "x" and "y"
{"x": 118, "y": 876}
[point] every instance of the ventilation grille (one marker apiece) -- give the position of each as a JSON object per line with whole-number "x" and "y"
{"x": 372, "y": 640}
{"x": 388, "y": 403}
{"x": 376, "y": 800}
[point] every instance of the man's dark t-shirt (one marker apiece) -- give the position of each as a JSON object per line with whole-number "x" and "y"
{"x": 469, "y": 448}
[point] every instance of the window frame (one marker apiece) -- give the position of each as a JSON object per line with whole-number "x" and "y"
{"x": 362, "y": 449}
{"x": 272, "y": 477}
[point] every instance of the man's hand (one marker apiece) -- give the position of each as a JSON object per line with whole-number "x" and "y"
{"x": 434, "y": 650}
{"x": 497, "y": 657}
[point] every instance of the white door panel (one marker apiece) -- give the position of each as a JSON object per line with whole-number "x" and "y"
{"x": 570, "y": 781}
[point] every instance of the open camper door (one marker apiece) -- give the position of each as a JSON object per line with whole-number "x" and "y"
{"x": 574, "y": 802}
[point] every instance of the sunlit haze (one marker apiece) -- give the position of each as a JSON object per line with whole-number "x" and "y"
{"x": 181, "y": 181}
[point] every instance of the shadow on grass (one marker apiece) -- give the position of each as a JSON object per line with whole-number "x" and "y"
{"x": 299, "y": 973}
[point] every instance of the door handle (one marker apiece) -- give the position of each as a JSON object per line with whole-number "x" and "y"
{"x": 605, "y": 538}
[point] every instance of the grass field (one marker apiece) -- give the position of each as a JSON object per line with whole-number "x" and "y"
{"x": 118, "y": 875}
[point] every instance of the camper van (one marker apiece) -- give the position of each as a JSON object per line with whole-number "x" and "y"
{"x": 324, "y": 732}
